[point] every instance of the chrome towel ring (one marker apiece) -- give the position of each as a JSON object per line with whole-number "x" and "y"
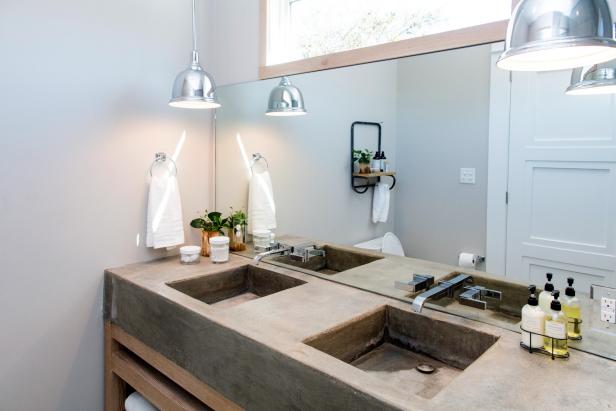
{"x": 160, "y": 158}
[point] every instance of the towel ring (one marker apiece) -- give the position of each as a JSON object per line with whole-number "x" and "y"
{"x": 161, "y": 158}
{"x": 256, "y": 157}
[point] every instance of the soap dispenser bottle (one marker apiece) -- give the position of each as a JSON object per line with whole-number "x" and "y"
{"x": 383, "y": 161}
{"x": 571, "y": 308}
{"x": 533, "y": 321}
{"x": 556, "y": 321}
{"x": 375, "y": 166}
{"x": 545, "y": 297}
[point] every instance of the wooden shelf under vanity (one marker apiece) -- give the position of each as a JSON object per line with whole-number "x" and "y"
{"x": 376, "y": 174}
{"x": 130, "y": 363}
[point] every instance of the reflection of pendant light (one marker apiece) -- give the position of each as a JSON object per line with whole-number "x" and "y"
{"x": 285, "y": 100}
{"x": 597, "y": 79}
{"x": 193, "y": 87}
{"x": 558, "y": 34}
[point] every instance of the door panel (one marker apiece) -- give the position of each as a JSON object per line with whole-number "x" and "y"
{"x": 562, "y": 182}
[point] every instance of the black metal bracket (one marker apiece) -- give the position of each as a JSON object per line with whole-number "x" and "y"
{"x": 362, "y": 188}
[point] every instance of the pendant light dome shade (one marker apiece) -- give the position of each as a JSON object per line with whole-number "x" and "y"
{"x": 285, "y": 100}
{"x": 558, "y": 34}
{"x": 597, "y": 79}
{"x": 194, "y": 87}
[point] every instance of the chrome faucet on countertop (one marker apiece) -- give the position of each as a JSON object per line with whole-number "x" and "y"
{"x": 302, "y": 252}
{"x": 443, "y": 288}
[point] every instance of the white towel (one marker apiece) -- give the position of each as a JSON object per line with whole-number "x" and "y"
{"x": 165, "y": 225}
{"x": 380, "y": 203}
{"x": 261, "y": 205}
{"x": 136, "y": 402}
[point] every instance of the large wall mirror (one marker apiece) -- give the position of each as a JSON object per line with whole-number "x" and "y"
{"x": 504, "y": 166}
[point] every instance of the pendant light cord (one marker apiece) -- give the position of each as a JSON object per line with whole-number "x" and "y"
{"x": 194, "y": 27}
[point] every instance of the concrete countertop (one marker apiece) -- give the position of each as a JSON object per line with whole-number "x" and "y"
{"x": 380, "y": 277}
{"x": 253, "y": 352}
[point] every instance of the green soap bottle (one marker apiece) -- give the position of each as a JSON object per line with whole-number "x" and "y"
{"x": 556, "y": 328}
{"x": 571, "y": 308}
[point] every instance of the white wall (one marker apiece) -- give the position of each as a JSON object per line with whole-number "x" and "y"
{"x": 309, "y": 156}
{"x": 233, "y": 40}
{"x": 84, "y": 87}
{"x": 443, "y": 117}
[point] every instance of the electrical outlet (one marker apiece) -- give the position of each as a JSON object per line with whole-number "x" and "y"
{"x": 467, "y": 176}
{"x": 608, "y": 310}
{"x": 608, "y": 303}
{"x": 608, "y": 317}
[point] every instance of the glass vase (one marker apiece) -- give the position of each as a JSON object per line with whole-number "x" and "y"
{"x": 205, "y": 241}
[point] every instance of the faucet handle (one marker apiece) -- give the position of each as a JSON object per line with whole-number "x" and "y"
{"x": 418, "y": 283}
{"x": 472, "y": 296}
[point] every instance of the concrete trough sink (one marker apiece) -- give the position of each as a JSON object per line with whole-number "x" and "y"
{"x": 235, "y": 286}
{"x": 411, "y": 351}
{"x": 336, "y": 260}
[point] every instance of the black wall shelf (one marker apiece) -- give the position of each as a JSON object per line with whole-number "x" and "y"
{"x": 366, "y": 177}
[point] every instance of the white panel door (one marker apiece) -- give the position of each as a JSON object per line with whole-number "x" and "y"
{"x": 562, "y": 183}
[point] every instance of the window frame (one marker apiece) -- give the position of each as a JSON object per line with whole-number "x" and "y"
{"x": 468, "y": 36}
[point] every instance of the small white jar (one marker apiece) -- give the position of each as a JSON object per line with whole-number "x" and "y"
{"x": 190, "y": 254}
{"x": 219, "y": 249}
{"x": 261, "y": 239}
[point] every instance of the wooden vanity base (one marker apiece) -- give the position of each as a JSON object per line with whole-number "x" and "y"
{"x": 130, "y": 363}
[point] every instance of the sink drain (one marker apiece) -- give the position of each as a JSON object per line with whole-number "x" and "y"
{"x": 425, "y": 368}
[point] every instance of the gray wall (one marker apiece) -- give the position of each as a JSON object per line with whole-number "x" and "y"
{"x": 309, "y": 156}
{"x": 84, "y": 91}
{"x": 443, "y": 116}
{"x": 233, "y": 40}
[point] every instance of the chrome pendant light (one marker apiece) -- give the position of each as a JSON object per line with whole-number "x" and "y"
{"x": 558, "y": 34}
{"x": 597, "y": 79}
{"x": 194, "y": 87}
{"x": 285, "y": 100}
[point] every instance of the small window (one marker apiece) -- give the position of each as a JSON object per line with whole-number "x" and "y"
{"x": 301, "y": 29}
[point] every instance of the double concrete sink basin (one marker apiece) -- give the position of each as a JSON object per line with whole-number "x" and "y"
{"x": 408, "y": 350}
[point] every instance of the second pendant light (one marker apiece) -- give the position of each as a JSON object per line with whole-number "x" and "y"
{"x": 285, "y": 100}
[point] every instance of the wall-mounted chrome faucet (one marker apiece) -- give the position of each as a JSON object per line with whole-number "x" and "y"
{"x": 418, "y": 283}
{"x": 275, "y": 248}
{"x": 472, "y": 296}
{"x": 444, "y": 288}
{"x": 302, "y": 252}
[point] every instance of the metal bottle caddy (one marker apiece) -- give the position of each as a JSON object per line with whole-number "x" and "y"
{"x": 543, "y": 336}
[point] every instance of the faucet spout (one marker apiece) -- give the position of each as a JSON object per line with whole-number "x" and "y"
{"x": 444, "y": 288}
{"x": 281, "y": 251}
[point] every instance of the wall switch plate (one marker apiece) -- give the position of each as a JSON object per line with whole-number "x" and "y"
{"x": 467, "y": 176}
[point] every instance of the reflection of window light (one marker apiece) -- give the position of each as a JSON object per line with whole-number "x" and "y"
{"x": 299, "y": 29}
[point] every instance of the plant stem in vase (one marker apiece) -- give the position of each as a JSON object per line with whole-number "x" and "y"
{"x": 236, "y": 238}
{"x": 205, "y": 241}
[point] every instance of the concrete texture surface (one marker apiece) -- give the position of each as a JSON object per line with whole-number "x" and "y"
{"x": 254, "y": 353}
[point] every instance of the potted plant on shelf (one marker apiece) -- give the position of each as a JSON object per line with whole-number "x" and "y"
{"x": 363, "y": 158}
{"x": 211, "y": 225}
{"x": 236, "y": 223}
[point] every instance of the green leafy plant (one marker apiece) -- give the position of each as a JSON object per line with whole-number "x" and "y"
{"x": 211, "y": 222}
{"x": 362, "y": 156}
{"x": 236, "y": 218}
